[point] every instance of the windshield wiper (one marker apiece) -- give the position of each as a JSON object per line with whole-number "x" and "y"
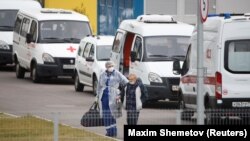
{"x": 103, "y": 59}
{"x": 158, "y": 55}
{"x": 178, "y": 56}
{"x": 71, "y": 39}
{"x": 52, "y": 38}
{"x": 6, "y": 27}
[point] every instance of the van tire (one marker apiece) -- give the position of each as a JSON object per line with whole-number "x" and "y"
{"x": 33, "y": 74}
{"x": 78, "y": 86}
{"x": 95, "y": 83}
{"x": 20, "y": 71}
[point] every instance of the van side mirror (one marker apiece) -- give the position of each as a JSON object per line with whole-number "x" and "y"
{"x": 133, "y": 56}
{"x": 90, "y": 59}
{"x": 176, "y": 67}
{"x": 28, "y": 38}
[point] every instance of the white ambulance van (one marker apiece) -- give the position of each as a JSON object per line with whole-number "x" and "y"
{"x": 147, "y": 46}
{"x": 226, "y": 61}
{"x": 46, "y": 42}
{"x": 8, "y": 11}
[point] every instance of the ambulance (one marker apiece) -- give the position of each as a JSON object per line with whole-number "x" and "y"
{"x": 8, "y": 11}
{"x": 226, "y": 59}
{"x": 45, "y": 42}
{"x": 147, "y": 47}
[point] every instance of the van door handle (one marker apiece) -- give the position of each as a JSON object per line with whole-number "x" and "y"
{"x": 194, "y": 89}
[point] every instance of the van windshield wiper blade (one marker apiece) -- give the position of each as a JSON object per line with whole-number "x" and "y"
{"x": 178, "y": 57}
{"x": 158, "y": 55}
{"x": 6, "y": 27}
{"x": 54, "y": 39}
{"x": 71, "y": 39}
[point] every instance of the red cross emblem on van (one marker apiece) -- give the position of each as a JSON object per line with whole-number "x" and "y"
{"x": 71, "y": 49}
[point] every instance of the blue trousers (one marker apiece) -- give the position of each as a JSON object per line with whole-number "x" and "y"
{"x": 109, "y": 120}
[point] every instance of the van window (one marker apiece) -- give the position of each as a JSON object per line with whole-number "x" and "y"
{"x": 18, "y": 23}
{"x": 138, "y": 48}
{"x": 63, "y": 31}
{"x": 186, "y": 63}
{"x": 117, "y": 42}
{"x": 160, "y": 48}
{"x": 237, "y": 56}
{"x": 103, "y": 52}
{"x": 33, "y": 30}
{"x": 25, "y": 27}
{"x": 86, "y": 50}
{"x": 7, "y": 19}
{"x": 92, "y": 51}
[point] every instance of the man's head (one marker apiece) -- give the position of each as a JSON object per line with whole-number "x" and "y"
{"x": 110, "y": 65}
{"x": 132, "y": 78}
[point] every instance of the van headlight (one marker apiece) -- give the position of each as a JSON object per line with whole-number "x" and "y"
{"x": 4, "y": 45}
{"x": 48, "y": 58}
{"x": 153, "y": 77}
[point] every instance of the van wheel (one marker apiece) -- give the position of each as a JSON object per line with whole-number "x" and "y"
{"x": 20, "y": 71}
{"x": 95, "y": 83}
{"x": 34, "y": 76}
{"x": 78, "y": 86}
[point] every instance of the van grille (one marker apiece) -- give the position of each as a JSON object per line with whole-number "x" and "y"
{"x": 169, "y": 81}
{"x": 62, "y": 61}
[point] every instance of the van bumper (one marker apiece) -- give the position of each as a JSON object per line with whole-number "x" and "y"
{"x": 160, "y": 93}
{"x": 56, "y": 69}
{"x": 230, "y": 103}
{"x": 45, "y": 70}
{"x": 5, "y": 57}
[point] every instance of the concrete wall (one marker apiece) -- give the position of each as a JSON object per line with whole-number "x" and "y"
{"x": 235, "y": 6}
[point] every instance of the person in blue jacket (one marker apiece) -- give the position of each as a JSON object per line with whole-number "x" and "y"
{"x": 107, "y": 96}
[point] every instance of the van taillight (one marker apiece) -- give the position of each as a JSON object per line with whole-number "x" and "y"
{"x": 218, "y": 85}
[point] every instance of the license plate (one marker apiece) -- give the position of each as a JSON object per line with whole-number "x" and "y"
{"x": 240, "y": 104}
{"x": 175, "y": 88}
{"x": 68, "y": 66}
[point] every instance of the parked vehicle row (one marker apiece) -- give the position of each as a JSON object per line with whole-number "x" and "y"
{"x": 158, "y": 49}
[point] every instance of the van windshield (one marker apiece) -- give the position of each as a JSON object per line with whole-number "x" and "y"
{"x": 162, "y": 48}
{"x": 7, "y": 19}
{"x": 63, "y": 31}
{"x": 103, "y": 52}
{"x": 237, "y": 56}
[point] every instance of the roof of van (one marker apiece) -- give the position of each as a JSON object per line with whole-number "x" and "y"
{"x": 214, "y": 23}
{"x": 54, "y": 14}
{"x": 19, "y": 4}
{"x": 100, "y": 40}
{"x": 156, "y": 28}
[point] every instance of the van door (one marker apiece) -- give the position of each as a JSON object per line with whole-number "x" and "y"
{"x": 138, "y": 49}
{"x": 24, "y": 54}
{"x": 83, "y": 68}
{"x": 116, "y": 55}
{"x": 31, "y": 47}
{"x": 16, "y": 33}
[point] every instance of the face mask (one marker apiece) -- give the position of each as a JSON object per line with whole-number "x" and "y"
{"x": 110, "y": 69}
